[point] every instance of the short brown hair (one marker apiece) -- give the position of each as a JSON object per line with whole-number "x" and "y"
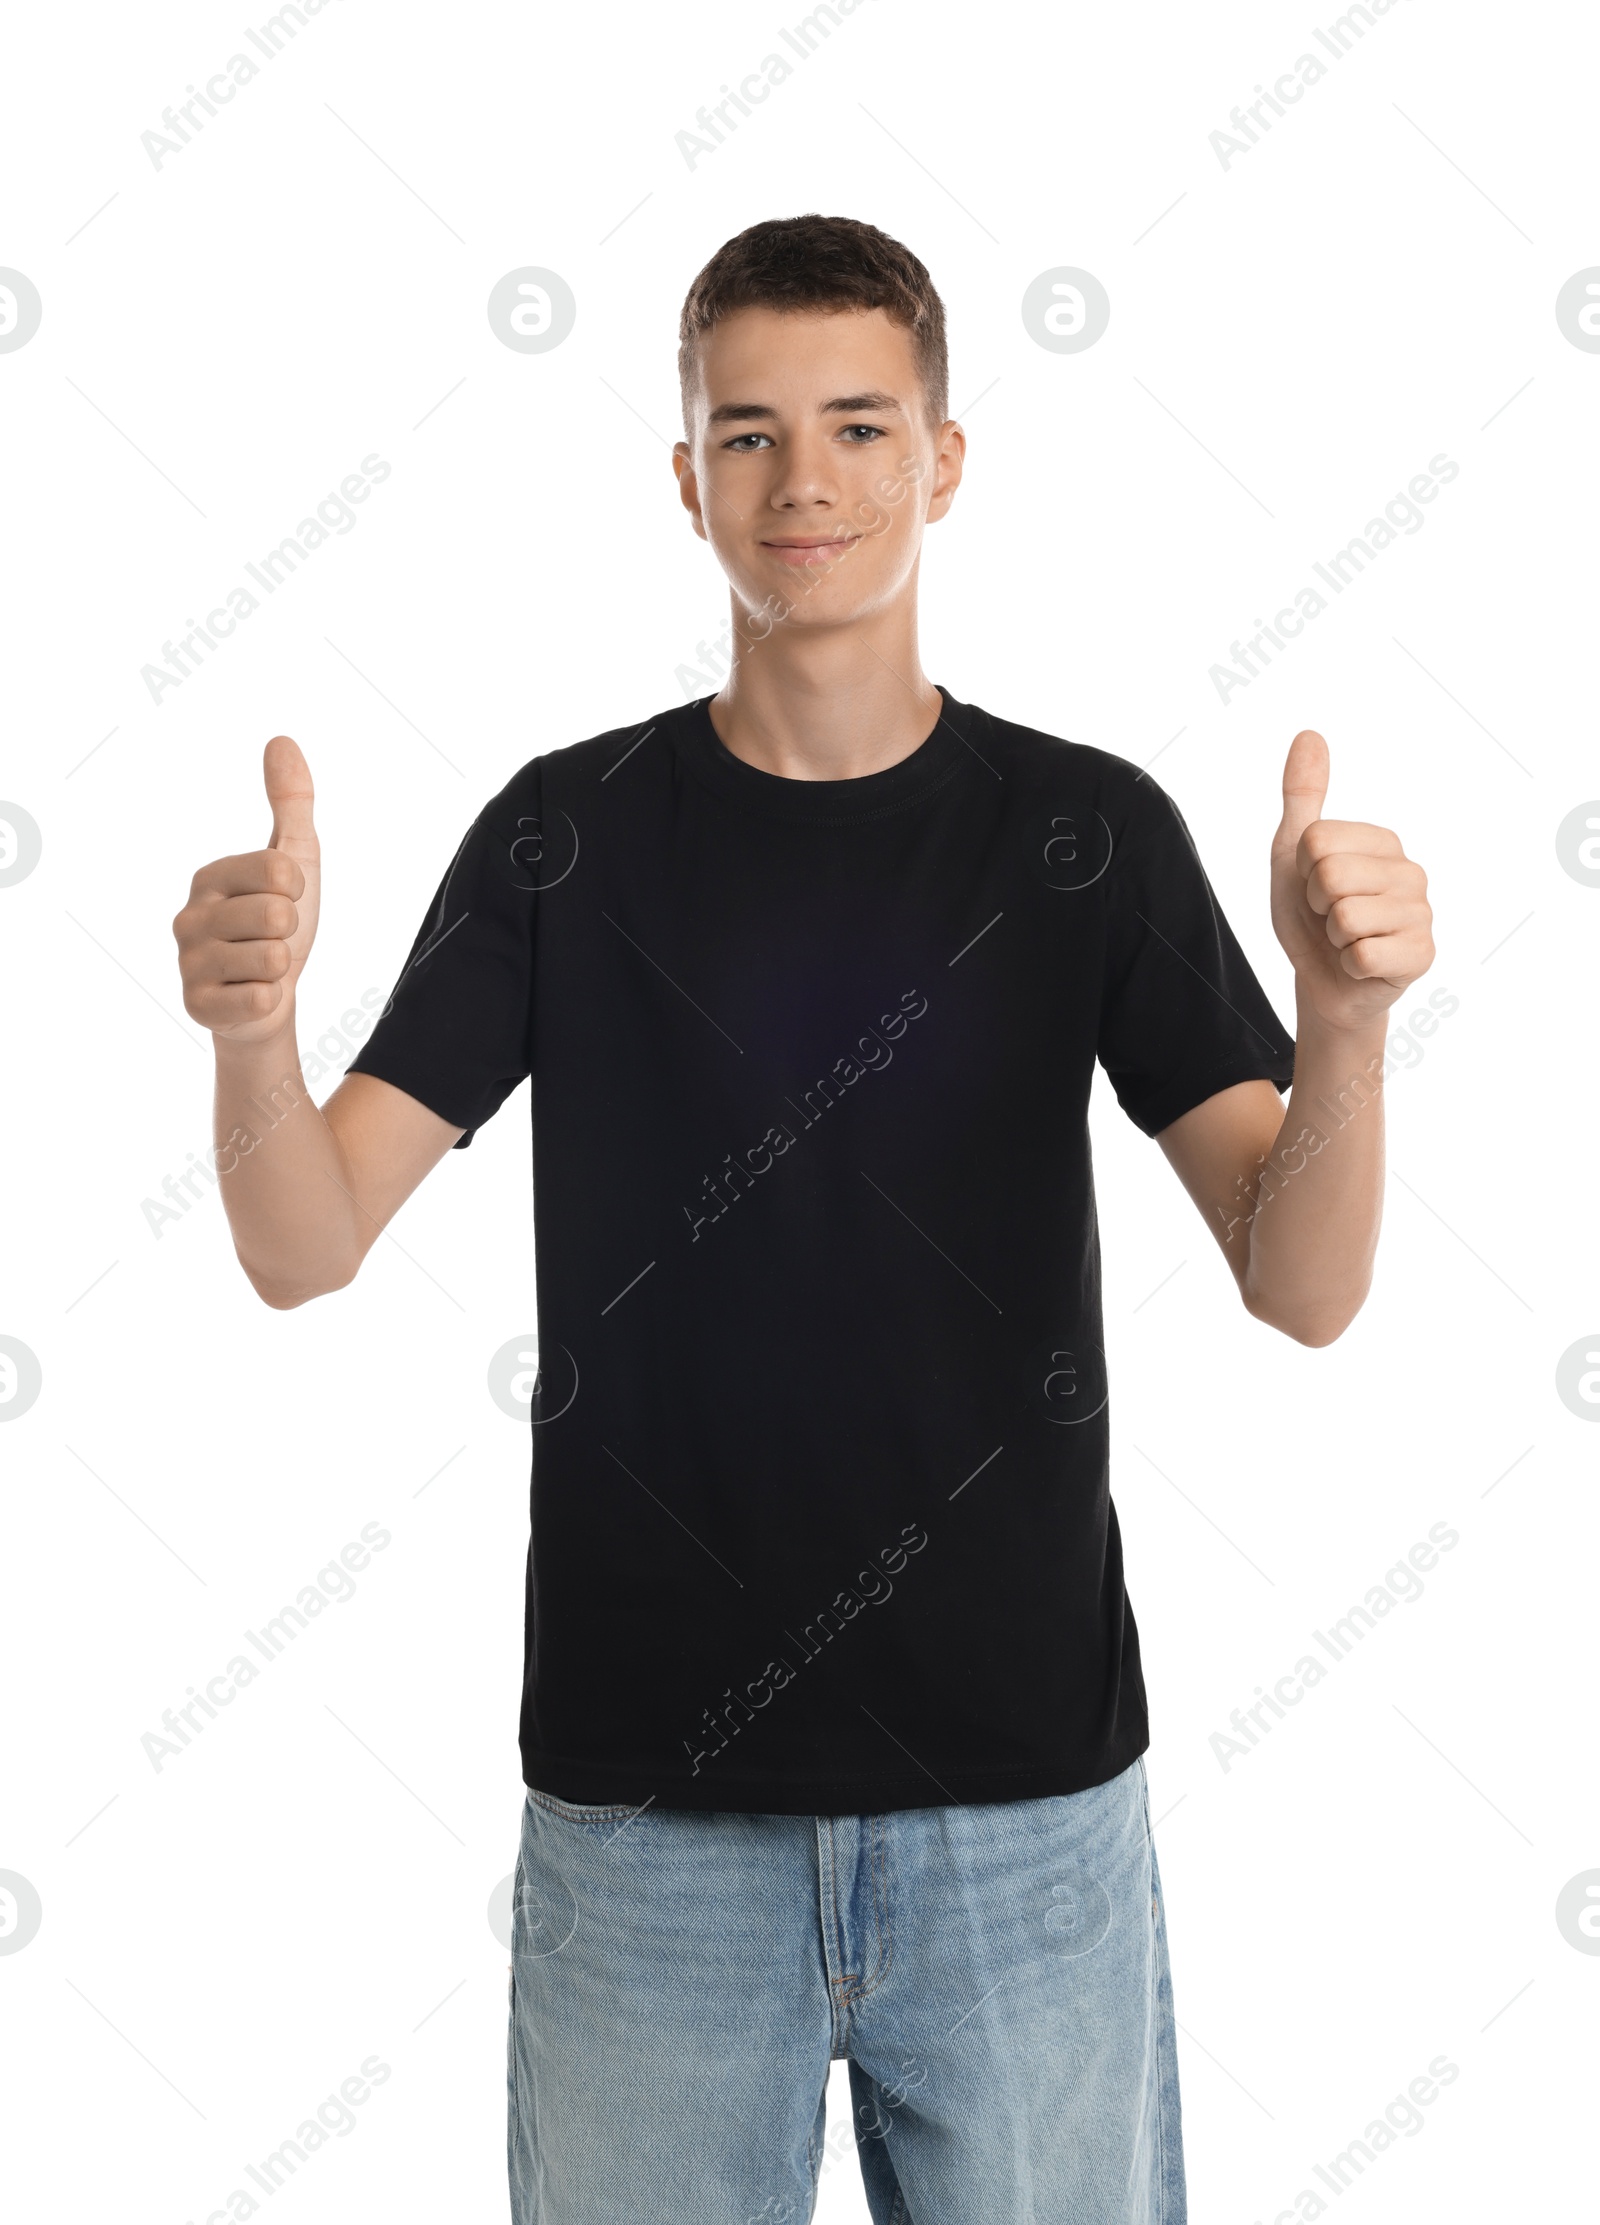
{"x": 819, "y": 262}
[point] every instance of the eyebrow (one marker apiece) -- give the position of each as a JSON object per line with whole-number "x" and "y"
{"x": 843, "y": 405}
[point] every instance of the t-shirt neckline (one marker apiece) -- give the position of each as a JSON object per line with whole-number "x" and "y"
{"x": 916, "y": 776}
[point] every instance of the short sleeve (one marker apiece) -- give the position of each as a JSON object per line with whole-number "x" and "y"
{"x": 1182, "y": 1014}
{"x": 456, "y": 1032}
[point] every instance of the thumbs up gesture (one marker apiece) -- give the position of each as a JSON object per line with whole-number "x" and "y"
{"x": 247, "y": 929}
{"x": 1349, "y": 907}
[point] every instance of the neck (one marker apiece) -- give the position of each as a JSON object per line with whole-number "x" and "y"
{"x": 814, "y": 702}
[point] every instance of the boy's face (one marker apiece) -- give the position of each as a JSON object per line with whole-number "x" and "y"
{"x": 812, "y": 466}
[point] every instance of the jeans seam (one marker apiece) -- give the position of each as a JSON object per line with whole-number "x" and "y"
{"x": 517, "y": 2133}
{"x": 828, "y": 1919}
{"x": 844, "y": 1977}
{"x": 1159, "y": 2035}
{"x": 880, "y": 1899}
{"x": 1161, "y": 2067}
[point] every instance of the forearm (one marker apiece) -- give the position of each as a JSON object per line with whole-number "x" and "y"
{"x": 1309, "y": 1213}
{"x": 286, "y": 1187}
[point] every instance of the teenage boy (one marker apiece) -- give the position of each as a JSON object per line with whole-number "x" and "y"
{"x": 832, "y": 1721}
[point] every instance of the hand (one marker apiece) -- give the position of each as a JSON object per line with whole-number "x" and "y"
{"x": 1350, "y": 908}
{"x": 246, "y": 932}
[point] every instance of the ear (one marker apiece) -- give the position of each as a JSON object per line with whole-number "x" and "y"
{"x": 688, "y": 485}
{"x": 950, "y": 450}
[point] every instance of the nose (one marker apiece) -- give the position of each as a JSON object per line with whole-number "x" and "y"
{"x": 808, "y": 478}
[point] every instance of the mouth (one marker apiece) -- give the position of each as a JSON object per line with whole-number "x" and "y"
{"x": 811, "y": 549}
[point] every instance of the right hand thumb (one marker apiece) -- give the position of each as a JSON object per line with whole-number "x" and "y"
{"x": 291, "y": 795}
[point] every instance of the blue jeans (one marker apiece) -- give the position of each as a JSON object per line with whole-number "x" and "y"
{"x": 996, "y": 1976}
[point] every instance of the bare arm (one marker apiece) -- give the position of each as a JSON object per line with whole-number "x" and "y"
{"x": 310, "y": 1196}
{"x": 306, "y": 1192}
{"x": 1294, "y": 1194}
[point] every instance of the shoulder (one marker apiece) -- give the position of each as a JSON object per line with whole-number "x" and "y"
{"x": 575, "y": 766}
{"x": 1048, "y": 766}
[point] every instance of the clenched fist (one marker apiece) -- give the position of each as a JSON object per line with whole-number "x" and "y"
{"x": 247, "y": 929}
{"x": 1350, "y": 908}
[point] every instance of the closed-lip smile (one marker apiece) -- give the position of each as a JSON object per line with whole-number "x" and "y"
{"x": 801, "y": 549}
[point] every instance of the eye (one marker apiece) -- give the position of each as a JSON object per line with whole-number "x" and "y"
{"x": 736, "y": 446}
{"x": 872, "y": 432}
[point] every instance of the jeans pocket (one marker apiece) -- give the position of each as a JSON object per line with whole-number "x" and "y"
{"x": 577, "y": 1812}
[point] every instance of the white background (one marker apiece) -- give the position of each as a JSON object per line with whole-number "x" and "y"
{"x": 1292, "y": 338}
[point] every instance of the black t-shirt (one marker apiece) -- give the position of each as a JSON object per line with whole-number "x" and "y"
{"x": 821, "y": 1516}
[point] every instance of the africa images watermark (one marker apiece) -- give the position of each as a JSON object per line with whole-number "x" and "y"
{"x": 1401, "y": 515}
{"x": 1402, "y": 1582}
{"x": 1402, "y": 2119}
{"x": 717, "y": 124}
{"x": 1339, "y": 39}
{"x": 185, "y": 659}
{"x": 1401, "y": 1051}
{"x": 184, "y": 120}
{"x": 182, "y": 1190}
{"x": 334, "y": 1582}
{"x": 335, "y": 2119}
{"x": 844, "y": 2136}
{"x": 872, "y": 1589}
{"x": 870, "y": 1054}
